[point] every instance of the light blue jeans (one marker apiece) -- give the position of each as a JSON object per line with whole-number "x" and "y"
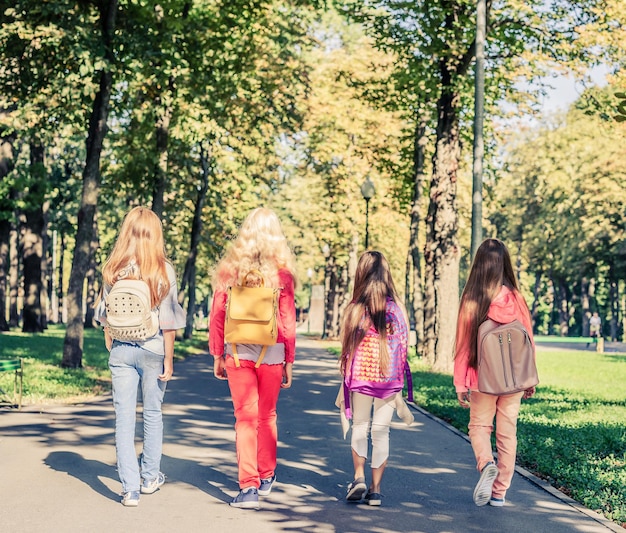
{"x": 131, "y": 365}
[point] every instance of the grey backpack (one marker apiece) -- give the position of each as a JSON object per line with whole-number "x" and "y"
{"x": 130, "y": 316}
{"x": 506, "y": 358}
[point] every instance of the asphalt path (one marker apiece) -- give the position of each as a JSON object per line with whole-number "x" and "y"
{"x": 57, "y": 469}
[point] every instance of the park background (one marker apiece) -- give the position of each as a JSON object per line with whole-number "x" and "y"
{"x": 203, "y": 110}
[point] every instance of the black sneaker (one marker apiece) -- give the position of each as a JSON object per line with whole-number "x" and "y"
{"x": 373, "y": 498}
{"x": 356, "y": 489}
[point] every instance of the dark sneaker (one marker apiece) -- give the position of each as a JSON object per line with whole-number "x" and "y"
{"x": 131, "y": 499}
{"x": 497, "y": 502}
{"x": 246, "y": 499}
{"x": 482, "y": 492}
{"x": 356, "y": 489}
{"x": 266, "y": 485}
{"x": 374, "y": 499}
{"x": 148, "y": 487}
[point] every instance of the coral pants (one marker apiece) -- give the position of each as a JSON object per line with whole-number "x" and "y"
{"x": 483, "y": 408}
{"x": 254, "y": 392}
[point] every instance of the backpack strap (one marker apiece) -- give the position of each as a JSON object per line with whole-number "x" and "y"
{"x": 235, "y": 355}
{"x": 259, "y": 360}
{"x": 409, "y": 382}
{"x": 261, "y": 356}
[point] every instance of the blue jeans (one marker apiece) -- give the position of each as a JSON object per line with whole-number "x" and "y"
{"x": 131, "y": 365}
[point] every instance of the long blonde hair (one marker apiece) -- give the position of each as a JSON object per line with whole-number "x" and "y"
{"x": 260, "y": 245}
{"x": 373, "y": 284}
{"x": 140, "y": 241}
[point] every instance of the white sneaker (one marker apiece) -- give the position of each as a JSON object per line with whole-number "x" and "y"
{"x": 148, "y": 487}
{"x": 482, "y": 492}
{"x": 497, "y": 502}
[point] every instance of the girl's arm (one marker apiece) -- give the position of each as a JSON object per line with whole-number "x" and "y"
{"x": 169, "y": 336}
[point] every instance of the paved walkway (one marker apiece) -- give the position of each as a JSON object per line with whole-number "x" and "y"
{"x": 57, "y": 470}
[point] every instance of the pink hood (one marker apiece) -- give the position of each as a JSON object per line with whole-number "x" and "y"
{"x": 509, "y": 305}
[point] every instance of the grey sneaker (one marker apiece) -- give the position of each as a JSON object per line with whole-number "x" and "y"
{"x": 266, "y": 485}
{"x": 148, "y": 487}
{"x": 246, "y": 499}
{"x": 482, "y": 492}
{"x": 131, "y": 498}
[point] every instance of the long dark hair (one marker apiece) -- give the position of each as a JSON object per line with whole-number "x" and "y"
{"x": 491, "y": 268}
{"x": 372, "y": 286}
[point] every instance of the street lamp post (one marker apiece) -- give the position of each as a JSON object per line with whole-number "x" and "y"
{"x": 367, "y": 191}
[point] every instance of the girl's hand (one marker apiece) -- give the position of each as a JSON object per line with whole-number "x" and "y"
{"x": 287, "y": 376}
{"x": 528, "y": 393}
{"x": 168, "y": 369}
{"x": 464, "y": 398}
{"x": 219, "y": 367}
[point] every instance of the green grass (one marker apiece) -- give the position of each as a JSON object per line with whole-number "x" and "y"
{"x": 571, "y": 433}
{"x": 46, "y": 382}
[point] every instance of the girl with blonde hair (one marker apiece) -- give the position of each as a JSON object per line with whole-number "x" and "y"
{"x": 139, "y": 253}
{"x": 374, "y": 342}
{"x": 491, "y": 292}
{"x": 260, "y": 246}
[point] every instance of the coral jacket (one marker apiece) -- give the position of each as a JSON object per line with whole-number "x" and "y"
{"x": 286, "y": 318}
{"x": 506, "y": 307}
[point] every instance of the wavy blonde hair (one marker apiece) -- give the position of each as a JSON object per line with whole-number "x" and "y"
{"x": 141, "y": 241}
{"x": 260, "y": 245}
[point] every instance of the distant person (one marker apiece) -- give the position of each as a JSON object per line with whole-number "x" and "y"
{"x": 139, "y": 253}
{"x": 374, "y": 339}
{"x": 491, "y": 292}
{"x": 261, "y": 245}
{"x": 595, "y": 327}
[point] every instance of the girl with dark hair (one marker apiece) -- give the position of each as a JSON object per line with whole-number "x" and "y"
{"x": 491, "y": 292}
{"x": 373, "y": 360}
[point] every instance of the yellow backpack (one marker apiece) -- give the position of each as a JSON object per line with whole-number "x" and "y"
{"x": 251, "y": 315}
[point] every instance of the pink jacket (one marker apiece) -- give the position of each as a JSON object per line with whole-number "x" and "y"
{"x": 506, "y": 307}
{"x": 286, "y": 318}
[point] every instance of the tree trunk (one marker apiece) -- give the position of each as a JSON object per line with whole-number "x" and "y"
{"x": 91, "y": 278}
{"x": 45, "y": 244}
{"x": 73, "y": 343}
{"x": 162, "y": 140}
{"x": 189, "y": 275}
{"x": 331, "y": 283}
{"x": 6, "y": 208}
{"x": 441, "y": 254}
{"x": 584, "y": 306}
{"x": 5, "y": 231}
{"x": 14, "y": 276}
{"x": 535, "y": 305}
{"x": 61, "y": 293}
{"x": 54, "y": 300}
{"x": 562, "y": 307}
{"x": 32, "y": 245}
{"x": 614, "y": 303}
{"x": 414, "y": 290}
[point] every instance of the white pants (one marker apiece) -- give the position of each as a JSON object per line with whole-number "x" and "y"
{"x": 380, "y": 422}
